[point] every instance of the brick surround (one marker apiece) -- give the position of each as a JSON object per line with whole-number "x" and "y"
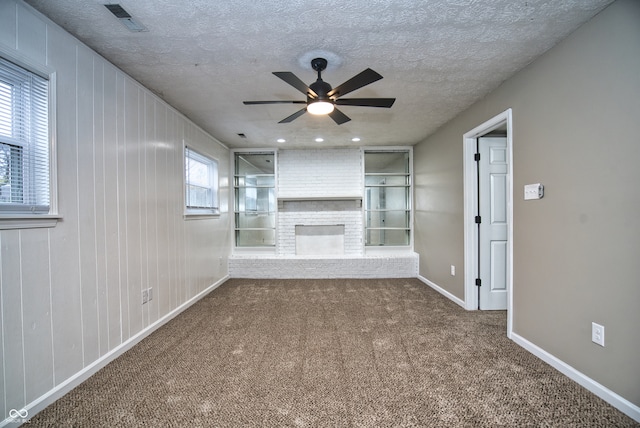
{"x": 321, "y": 187}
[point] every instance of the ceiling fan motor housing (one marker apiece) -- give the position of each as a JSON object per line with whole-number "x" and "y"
{"x": 321, "y": 88}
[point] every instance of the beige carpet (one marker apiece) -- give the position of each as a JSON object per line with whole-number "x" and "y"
{"x": 329, "y": 353}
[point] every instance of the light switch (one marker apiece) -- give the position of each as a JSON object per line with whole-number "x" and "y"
{"x": 533, "y": 191}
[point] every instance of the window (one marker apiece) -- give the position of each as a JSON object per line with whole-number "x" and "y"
{"x": 387, "y": 181}
{"x": 201, "y": 184}
{"x": 24, "y": 141}
{"x": 254, "y": 199}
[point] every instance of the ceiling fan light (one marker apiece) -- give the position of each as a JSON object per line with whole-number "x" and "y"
{"x": 320, "y": 107}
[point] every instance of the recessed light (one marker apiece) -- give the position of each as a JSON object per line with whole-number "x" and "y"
{"x": 319, "y": 140}
{"x": 355, "y": 139}
{"x": 281, "y": 140}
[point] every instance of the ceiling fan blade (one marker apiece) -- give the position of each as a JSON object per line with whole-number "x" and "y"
{"x": 366, "y": 102}
{"x": 356, "y": 82}
{"x": 294, "y": 81}
{"x": 339, "y": 117}
{"x": 294, "y": 116}
{"x": 272, "y": 102}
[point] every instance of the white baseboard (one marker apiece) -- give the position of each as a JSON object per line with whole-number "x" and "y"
{"x": 65, "y": 387}
{"x": 620, "y": 403}
{"x": 442, "y": 291}
{"x": 617, "y": 401}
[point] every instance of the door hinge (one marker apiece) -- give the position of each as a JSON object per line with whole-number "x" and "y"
{"x": 476, "y": 157}
{"x": 478, "y": 282}
{"x": 478, "y": 219}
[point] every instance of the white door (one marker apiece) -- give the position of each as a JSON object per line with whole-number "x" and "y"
{"x": 492, "y": 181}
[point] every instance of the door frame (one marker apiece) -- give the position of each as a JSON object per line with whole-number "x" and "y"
{"x": 470, "y": 207}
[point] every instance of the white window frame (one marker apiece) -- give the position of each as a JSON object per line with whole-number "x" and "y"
{"x": 213, "y": 208}
{"x": 12, "y": 216}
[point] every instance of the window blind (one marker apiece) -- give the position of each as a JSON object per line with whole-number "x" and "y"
{"x": 24, "y": 141}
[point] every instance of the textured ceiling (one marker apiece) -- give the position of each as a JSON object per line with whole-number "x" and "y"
{"x": 437, "y": 57}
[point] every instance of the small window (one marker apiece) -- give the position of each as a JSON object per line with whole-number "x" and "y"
{"x": 24, "y": 141}
{"x": 201, "y": 184}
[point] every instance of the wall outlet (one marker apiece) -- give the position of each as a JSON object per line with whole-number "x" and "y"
{"x": 453, "y": 270}
{"x": 150, "y": 293}
{"x": 597, "y": 334}
{"x": 145, "y": 296}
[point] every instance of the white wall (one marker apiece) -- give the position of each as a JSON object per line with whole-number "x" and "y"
{"x": 71, "y": 294}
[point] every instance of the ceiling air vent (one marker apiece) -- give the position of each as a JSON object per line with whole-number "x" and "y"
{"x": 125, "y": 18}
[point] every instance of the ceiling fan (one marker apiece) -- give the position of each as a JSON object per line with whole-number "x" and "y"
{"x": 322, "y": 99}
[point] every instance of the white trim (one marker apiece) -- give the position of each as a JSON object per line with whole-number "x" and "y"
{"x": 65, "y": 387}
{"x": 199, "y": 216}
{"x": 383, "y": 250}
{"x": 442, "y": 291}
{"x": 213, "y": 164}
{"x": 53, "y": 144}
{"x": 470, "y": 203}
{"x": 319, "y": 198}
{"x": 620, "y": 403}
{"x": 24, "y": 61}
{"x": 28, "y": 222}
{"x": 48, "y": 73}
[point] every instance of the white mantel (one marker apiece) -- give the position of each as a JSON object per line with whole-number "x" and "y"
{"x": 319, "y": 198}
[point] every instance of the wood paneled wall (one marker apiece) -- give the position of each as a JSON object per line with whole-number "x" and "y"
{"x": 73, "y": 293}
